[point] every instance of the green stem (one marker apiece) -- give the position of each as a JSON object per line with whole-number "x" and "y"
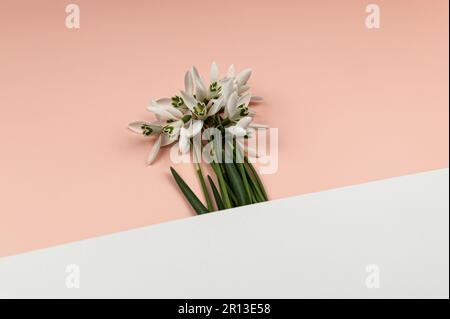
{"x": 241, "y": 169}
{"x": 236, "y": 184}
{"x": 232, "y": 196}
{"x": 202, "y": 180}
{"x": 225, "y": 122}
{"x": 252, "y": 196}
{"x": 258, "y": 180}
{"x": 222, "y": 185}
{"x": 254, "y": 187}
{"x": 216, "y": 194}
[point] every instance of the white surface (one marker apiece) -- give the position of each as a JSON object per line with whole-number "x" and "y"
{"x": 316, "y": 245}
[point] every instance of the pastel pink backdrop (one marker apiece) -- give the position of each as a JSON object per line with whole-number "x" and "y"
{"x": 352, "y": 105}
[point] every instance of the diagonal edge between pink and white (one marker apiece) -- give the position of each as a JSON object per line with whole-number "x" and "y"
{"x": 383, "y": 239}
{"x": 351, "y": 104}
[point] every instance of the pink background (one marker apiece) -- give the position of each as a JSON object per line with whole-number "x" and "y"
{"x": 351, "y": 104}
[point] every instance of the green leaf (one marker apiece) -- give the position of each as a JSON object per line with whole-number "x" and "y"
{"x": 256, "y": 192}
{"x": 216, "y": 194}
{"x": 204, "y": 189}
{"x": 189, "y": 194}
{"x": 236, "y": 184}
{"x": 234, "y": 201}
{"x": 252, "y": 196}
{"x": 258, "y": 180}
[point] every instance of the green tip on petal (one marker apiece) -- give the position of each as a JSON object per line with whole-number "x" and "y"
{"x": 146, "y": 130}
{"x": 177, "y": 101}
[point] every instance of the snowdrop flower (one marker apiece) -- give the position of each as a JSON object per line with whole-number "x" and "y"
{"x": 240, "y": 80}
{"x": 238, "y": 83}
{"x": 174, "y": 118}
{"x": 206, "y": 92}
{"x": 145, "y": 128}
{"x": 237, "y": 107}
{"x": 152, "y": 129}
{"x": 164, "y": 110}
{"x": 200, "y": 111}
{"x": 221, "y": 102}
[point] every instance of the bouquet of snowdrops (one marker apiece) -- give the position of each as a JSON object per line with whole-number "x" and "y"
{"x": 215, "y": 116}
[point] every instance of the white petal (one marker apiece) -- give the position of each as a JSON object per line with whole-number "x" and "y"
{"x": 175, "y": 112}
{"x": 189, "y": 100}
{"x": 216, "y": 106}
{"x": 166, "y": 104}
{"x": 200, "y": 89}
{"x": 188, "y": 83}
{"x": 244, "y": 100}
{"x": 243, "y": 76}
{"x": 136, "y": 127}
{"x": 161, "y": 113}
{"x": 184, "y": 141}
{"x": 175, "y": 132}
{"x": 244, "y": 122}
{"x": 198, "y": 80}
{"x": 195, "y": 128}
{"x": 155, "y": 150}
{"x": 230, "y": 72}
{"x": 231, "y": 105}
{"x": 169, "y": 139}
{"x": 214, "y": 76}
{"x": 227, "y": 89}
{"x": 201, "y": 94}
{"x": 243, "y": 89}
{"x": 163, "y": 103}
